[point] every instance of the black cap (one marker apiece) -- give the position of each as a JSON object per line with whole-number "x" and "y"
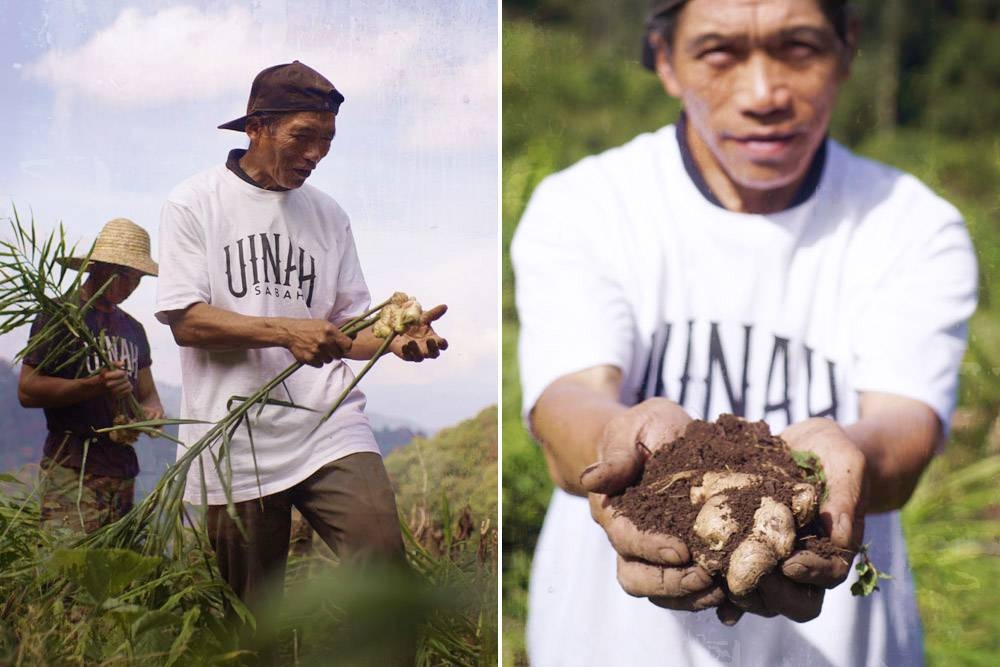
{"x": 286, "y": 88}
{"x": 658, "y": 8}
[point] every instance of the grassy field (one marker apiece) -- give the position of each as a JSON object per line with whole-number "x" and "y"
{"x": 564, "y": 98}
{"x": 63, "y": 604}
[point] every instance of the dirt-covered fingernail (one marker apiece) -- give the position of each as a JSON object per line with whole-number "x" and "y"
{"x": 795, "y": 570}
{"x": 729, "y": 614}
{"x": 669, "y": 555}
{"x": 694, "y": 581}
{"x": 643, "y": 449}
{"x": 589, "y": 469}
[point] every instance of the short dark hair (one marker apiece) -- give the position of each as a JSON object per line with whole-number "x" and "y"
{"x": 664, "y": 24}
{"x": 267, "y": 120}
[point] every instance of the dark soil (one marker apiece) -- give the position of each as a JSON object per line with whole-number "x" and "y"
{"x": 661, "y": 500}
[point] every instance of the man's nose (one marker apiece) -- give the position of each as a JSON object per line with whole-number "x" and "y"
{"x": 316, "y": 151}
{"x": 763, "y": 90}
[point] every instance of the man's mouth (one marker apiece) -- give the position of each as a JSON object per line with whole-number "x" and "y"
{"x": 765, "y": 145}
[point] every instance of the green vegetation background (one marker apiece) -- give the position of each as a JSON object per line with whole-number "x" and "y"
{"x": 924, "y": 96}
{"x": 454, "y": 469}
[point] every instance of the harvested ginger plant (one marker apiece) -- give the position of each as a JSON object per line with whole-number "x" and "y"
{"x": 736, "y": 496}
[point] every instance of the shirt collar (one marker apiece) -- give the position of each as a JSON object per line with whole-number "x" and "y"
{"x": 806, "y": 189}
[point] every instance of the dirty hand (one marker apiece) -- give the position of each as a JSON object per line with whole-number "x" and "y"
{"x": 317, "y": 342}
{"x": 797, "y": 590}
{"x": 420, "y": 341}
{"x": 114, "y": 381}
{"x": 655, "y": 566}
{"x": 151, "y": 412}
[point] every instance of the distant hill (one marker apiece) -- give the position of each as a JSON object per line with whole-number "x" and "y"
{"x": 22, "y": 432}
{"x": 459, "y": 463}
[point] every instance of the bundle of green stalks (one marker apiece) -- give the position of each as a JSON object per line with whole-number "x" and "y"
{"x": 33, "y": 283}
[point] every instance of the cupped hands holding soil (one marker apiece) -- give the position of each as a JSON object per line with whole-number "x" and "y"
{"x": 736, "y": 495}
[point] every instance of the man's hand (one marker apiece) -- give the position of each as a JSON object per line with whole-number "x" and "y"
{"x": 797, "y": 590}
{"x": 842, "y": 512}
{"x": 420, "y": 341}
{"x": 650, "y": 565}
{"x": 113, "y": 381}
{"x": 317, "y": 342}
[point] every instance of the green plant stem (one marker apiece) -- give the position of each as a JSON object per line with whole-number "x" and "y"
{"x": 371, "y": 362}
{"x": 374, "y": 309}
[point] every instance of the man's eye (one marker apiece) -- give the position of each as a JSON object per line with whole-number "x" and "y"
{"x": 799, "y": 50}
{"x": 718, "y": 56}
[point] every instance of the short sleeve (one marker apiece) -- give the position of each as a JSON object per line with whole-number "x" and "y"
{"x": 353, "y": 297}
{"x": 145, "y": 355}
{"x": 36, "y": 352}
{"x": 571, "y": 303}
{"x": 184, "y": 278}
{"x": 911, "y": 334}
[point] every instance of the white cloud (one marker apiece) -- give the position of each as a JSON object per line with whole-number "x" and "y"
{"x": 177, "y": 54}
{"x": 443, "y": 89}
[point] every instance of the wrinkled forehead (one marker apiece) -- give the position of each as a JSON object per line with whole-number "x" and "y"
{"x": 320, "y": 122}
{"x": 749, "y": 18}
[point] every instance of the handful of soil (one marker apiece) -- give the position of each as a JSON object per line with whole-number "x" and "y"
{"x": 736, "y": 496}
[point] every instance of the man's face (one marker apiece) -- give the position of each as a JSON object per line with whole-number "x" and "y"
{"x": 290, "y": 148}
{"x": 125, "y": 281}
{"x": 758, "y": 80}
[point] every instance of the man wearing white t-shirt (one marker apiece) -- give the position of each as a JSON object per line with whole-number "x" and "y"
{"x": 738, "y": 261}
{"x": 259, "y": 269}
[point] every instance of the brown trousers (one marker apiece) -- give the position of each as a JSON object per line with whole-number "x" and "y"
{"x": 350, "y": 504}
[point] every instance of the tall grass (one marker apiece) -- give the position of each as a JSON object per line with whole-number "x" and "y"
{"x": 61, "y": 605}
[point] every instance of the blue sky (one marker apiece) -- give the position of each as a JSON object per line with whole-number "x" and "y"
{"x": 109, "y": 105}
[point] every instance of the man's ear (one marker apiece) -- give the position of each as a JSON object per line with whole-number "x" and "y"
{"x": 664, "y": 68}
{"x": 254, "y": 127}
{"x": 851, "y": 41}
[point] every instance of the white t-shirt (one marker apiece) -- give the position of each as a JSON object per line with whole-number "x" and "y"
{"x": 257, "y": 252}
{"x": 866, "y": 286}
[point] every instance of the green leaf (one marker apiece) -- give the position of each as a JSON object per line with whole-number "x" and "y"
{"x": 180, "y": 645}
{"x": 868, "y": 575}
{"x": 808, "y": 461}
{"x": 153, "y": 620}
{"x": 867, "y": 582}
{"x": 103, "y": 573}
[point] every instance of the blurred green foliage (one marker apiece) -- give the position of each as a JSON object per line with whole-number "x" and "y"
{"x": 572, "y": 86}
{"x": 69, "y": 605}
{"x": 457, "y": 466}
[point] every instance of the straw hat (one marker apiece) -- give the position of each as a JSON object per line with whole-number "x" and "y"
{"x": 120, "y": 242}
